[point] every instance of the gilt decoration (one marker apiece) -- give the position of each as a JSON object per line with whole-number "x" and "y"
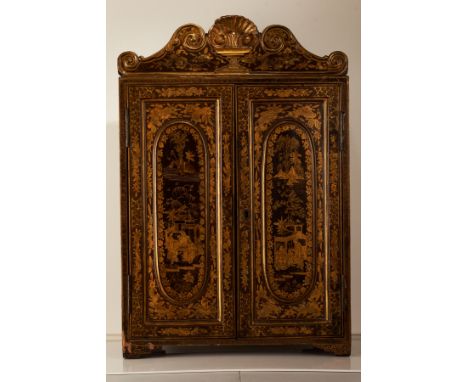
{"x": 233, "y": 44}
{"x": 287, "y": 197}
{"x": 184, "y": 135}
{"x": 234, "y": 192}
{"x": 183, "y": 268}
{"x": 182, "y": 223}
{"x": 273, "y": 287}
{"x": 284, "y": 137}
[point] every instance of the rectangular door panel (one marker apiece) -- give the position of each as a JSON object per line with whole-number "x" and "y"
{"x": 291, "y": 258}
{"x": 180, "y": 212}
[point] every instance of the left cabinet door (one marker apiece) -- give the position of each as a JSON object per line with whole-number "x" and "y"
{"x": 176, "y": 180}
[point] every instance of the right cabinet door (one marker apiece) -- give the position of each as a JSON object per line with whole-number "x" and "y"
{"x": 292, "y": 240}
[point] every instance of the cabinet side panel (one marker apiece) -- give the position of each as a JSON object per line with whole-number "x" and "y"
{"x": 124, "y": 204}
{"x": 346, "y": 207}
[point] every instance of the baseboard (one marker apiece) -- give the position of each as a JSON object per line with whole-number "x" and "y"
{"x": 113, "y": 337}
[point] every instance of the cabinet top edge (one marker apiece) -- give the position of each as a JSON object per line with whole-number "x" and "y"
{"x": 185, "y": 78}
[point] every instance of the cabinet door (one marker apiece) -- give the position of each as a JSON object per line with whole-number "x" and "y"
{"x": 177, "y": 199}
{"x": 291, "y": 222}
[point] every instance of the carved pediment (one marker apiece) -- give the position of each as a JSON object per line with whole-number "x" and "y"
{"x": 233, "y": 44}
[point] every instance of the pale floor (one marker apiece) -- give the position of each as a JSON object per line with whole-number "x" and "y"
{"x": 234, "y": 365}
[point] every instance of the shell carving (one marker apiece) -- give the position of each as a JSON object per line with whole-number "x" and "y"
{"x": 233, "y": 35}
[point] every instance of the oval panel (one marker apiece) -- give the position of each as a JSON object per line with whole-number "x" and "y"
{"x": 181, "y": 212}
{"x": 288, "y": 210}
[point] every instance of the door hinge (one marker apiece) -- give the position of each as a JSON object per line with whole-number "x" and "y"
{"x": 342, "y": 130}
{"x": 127, "y": 132}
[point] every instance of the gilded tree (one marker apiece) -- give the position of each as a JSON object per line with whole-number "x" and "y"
{"x": 290, "y": 207}
{"x": 179, "y": 158}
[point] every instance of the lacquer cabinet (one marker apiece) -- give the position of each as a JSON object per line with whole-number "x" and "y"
{"x": 234, "y": 192}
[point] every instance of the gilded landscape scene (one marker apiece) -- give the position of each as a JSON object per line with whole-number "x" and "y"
{"x": 288, "y": 211}
{"x": 183, "y": 217}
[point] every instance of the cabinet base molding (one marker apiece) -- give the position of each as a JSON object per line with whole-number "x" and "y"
{"x": 143, "y": 349}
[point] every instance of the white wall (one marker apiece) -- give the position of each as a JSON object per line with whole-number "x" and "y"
{"x": 145, "y": 26}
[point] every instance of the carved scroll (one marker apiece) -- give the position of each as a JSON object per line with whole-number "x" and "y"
{"x": 233, "y": 44}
